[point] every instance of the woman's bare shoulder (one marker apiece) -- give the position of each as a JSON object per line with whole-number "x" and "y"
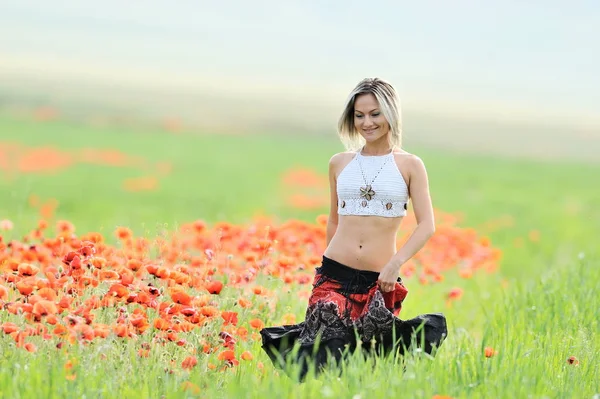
{"x": 410, "y": 165}
{"x": 341, "y": 157}
{"x": 407, "y": 159}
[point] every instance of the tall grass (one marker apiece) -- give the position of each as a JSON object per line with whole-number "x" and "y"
{"x": 534, "y": 327}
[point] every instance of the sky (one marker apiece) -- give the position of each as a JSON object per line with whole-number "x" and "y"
{"x": 536, "y": 58}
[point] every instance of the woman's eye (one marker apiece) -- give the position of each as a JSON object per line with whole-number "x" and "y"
{"x": 358, "y": 116}
{"x": 377, "y": 114}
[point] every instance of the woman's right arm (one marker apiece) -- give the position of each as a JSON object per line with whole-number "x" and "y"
{"x": 332, "y": 221}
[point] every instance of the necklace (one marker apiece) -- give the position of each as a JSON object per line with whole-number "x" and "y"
{"x": 367, "y": 192}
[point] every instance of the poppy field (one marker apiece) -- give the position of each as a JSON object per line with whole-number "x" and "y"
{"x": 143, "y": 263}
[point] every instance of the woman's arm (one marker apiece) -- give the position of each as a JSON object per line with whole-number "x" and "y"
{"x": 421, "y": 199}
{"x": 332, "y": 221}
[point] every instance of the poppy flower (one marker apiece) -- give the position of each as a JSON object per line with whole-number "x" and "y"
{"x": 24, "y": 288}
{"x": 181, "y": 298}
{"x": 9, "y": 328}
{"x": 189, "y": 362}
{"x": 25, "y": 269}
{"x": 118, "y": 291}
{"x": 29, "y": 347}
{"x": 573, "y": 360}
{"x": 227, "y": 355}
{"x": 489, "y": 351}
{"x": 44, "y": 308}
{"x": 214, "y": 287}
{"x": 6, "y": 225}
{"x": 244, "y": 303}
{"x": 161, "y": 324}
{"x": 123, "y": 233}
{"x": 209, "y": 311}
{"x": 257, "y": 324}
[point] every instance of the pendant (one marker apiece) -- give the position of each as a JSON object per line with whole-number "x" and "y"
{"x": 367, "y": 192}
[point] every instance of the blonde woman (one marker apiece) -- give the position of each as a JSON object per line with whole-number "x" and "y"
{"x": 357, "y": 292}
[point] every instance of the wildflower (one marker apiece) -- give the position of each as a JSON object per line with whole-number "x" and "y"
{"x": 258, "y": 290}
{"x": 6, "y": 225}
{"x": 25, "y": 269}
{"x": 455, "y": 293}
{"x": 289, "y": 318}
{"x": 228, "y": 356}
{"x": 123, "y": 233}
{"x": 143, "y": 352}
{"x": 489, "y": 351}
{"x": 244, "y": 303}
{"x": 24, "y": 288}
{"x": 534, "y": 235}
{"x": 214, "y": 287}
{"x": 189, "y": 362}
{"x": 9, "y": 328}
{"x": 29, "y": 347}
{"x": 181, "y": 297}
{"x": 65, "y": 227}
{"x": 573, "y": 361}
{"x": 230, "y": 318}
{"x": 257, "y": 324}
{"x": 190, "y": 386}
{"x": 3, "y": 292}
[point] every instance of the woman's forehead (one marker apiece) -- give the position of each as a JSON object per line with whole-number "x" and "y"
{"x": 366, "y": 103}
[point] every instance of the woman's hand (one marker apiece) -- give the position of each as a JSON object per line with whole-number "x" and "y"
{"x": 388, "y": 277}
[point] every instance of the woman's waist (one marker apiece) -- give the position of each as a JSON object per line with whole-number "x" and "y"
{"x": 365, "y": 240}
{"x": 361, "y": 255}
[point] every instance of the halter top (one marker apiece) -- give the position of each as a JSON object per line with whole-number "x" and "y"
{"x": 387, "y": 195}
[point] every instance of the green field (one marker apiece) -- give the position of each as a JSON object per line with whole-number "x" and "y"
{"x": 539, "y": 309}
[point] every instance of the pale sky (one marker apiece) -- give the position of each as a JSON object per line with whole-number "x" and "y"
{"x": 532, "y": 56}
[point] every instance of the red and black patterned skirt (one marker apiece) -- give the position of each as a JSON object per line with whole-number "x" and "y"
{"x": 345, "y": 310}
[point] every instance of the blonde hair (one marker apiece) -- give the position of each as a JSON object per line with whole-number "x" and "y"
{"x": 389, "y": 103}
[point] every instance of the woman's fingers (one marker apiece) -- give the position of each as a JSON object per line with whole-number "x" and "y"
{"x": 386, "y": 287}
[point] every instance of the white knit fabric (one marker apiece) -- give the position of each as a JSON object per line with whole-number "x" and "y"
{"x": 390, "y": 188}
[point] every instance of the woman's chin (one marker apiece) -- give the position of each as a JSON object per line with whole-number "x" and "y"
{"x": 371, "y": 137}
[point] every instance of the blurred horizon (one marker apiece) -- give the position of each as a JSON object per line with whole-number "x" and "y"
{"x": 522, "y": 71}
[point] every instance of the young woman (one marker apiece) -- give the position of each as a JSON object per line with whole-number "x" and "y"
{"x": 357, "y": 294}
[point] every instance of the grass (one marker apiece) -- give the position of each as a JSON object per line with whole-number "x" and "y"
{"x": 534, "y": 327}
{"x": 544, "y": 315}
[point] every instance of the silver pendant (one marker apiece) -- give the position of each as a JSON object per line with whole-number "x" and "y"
{"x": 367, "y": 192}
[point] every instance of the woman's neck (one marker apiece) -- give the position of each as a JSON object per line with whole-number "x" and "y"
{"x": 377, "y": 149}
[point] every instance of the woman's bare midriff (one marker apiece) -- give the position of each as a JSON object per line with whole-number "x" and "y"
{"x": 364, "y": 242}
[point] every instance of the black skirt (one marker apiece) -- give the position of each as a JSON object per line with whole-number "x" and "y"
{"x": 346, "y": 310}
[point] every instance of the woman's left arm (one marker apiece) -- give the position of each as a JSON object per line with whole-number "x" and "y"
{"x": 421, "y": 201}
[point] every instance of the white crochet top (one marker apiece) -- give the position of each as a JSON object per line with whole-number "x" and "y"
{"x": 388, "y": 194}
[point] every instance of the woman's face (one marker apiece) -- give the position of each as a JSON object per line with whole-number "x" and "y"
{"x": 368, "y": 118}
